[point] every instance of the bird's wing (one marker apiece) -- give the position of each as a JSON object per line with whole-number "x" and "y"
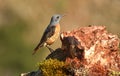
{"x": 47, "y": 34}
{"x": 50, "y": 30}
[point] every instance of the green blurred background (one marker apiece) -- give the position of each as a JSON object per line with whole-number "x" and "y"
{"x": 22, "y": 23}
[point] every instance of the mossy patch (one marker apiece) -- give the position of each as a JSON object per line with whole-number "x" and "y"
{"x": 114, "y": 73}
{"x": 52, "y": 67}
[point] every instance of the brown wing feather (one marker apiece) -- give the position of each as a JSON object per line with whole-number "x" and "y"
{"x": 47, "y": 34}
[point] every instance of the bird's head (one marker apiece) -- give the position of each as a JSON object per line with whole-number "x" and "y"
{"x": 56, "y": 19}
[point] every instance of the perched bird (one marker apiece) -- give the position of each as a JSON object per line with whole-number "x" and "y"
{"x": 51, "y": 33}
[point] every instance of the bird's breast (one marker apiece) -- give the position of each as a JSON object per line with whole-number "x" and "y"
{"x": 54, "y": 36}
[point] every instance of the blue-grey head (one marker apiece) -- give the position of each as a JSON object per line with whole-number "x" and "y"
{"x": 55, "y": 19}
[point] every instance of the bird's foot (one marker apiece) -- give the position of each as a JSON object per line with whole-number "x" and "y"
{"x": 51, "y": 50}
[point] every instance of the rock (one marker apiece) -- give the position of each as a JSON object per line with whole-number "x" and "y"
{"x": 91, "y": 51}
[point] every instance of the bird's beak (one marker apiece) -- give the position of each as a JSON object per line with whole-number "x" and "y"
{"x": 63, "y": 15}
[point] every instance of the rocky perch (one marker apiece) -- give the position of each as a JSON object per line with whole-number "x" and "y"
{"x": 86, "y": 51}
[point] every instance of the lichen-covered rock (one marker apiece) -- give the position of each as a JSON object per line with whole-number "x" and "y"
{"x": 86, "y": 51}
{"x": 98, "y": 50}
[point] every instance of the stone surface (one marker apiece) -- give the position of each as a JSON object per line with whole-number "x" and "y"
{"x": 91, "y": 51}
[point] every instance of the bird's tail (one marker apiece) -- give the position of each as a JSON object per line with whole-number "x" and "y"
{"x": 35, "y": 50}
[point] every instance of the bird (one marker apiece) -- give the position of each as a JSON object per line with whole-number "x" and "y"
{"x": 51, "y": 33}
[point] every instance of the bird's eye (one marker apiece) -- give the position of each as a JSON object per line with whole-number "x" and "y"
{"x": 57, "y": 17}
